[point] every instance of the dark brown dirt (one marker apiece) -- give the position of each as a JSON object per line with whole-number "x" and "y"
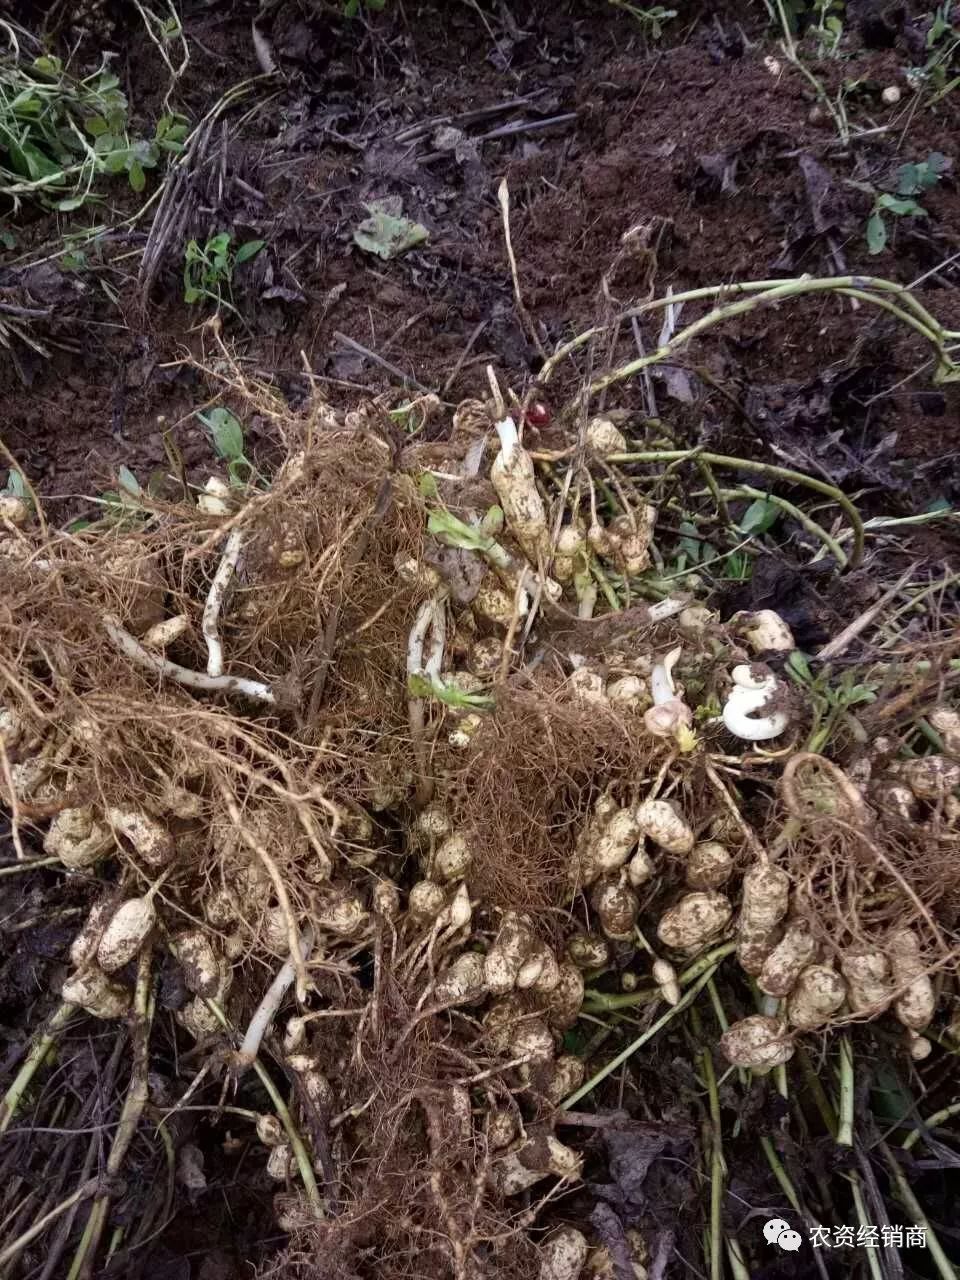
{"x": 703, "y": 141}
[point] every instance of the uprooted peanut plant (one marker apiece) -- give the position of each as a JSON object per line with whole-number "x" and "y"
{"x": 381, "y": 788}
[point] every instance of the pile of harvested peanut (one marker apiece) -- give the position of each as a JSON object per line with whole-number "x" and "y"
{"x": 257, "y": 722}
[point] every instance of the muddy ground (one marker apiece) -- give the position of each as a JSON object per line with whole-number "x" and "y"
{"x": 704, "y": 143}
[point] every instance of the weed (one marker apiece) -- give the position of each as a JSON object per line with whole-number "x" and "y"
{"x": 226, "y": 435}
{"x": 943, "y": 41}
{"x": 351, "y": 8}
{"x": 912, "y": 180}
{"x": 208, "y": 269}
{"x": 59, "y": 134}
{"x": 828, "y": 26}
{"x": 651, "y": 20}
{"x": 829, "y": 701}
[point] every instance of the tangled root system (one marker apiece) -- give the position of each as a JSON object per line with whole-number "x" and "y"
{"x": 534, "y": 769}
{"x": 861, "y": 871}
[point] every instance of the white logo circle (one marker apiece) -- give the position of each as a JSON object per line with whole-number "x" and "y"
{"x": 780, "y": 1233}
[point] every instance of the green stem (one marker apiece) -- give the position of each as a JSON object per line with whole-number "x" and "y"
{"x": 17, "y": 1247}
{"x": 717, "y": 1167}
{"x": 876, "y": 1271}
{"x": 818, "y": 531}
{"x": 685, "y": 1000}
{"x": 845, "y": 1125}
{"x": 133, "y": 1105}
{"x": 848, "y": 286}
{"x": 781, "y": 1175}
{"x": 937, "y": 1118}
{"x": 761, "y": 468}
{"x": 912, "y": 1205}
{"x": 604, "y": 1002}
{"x": 34, "y": 1060}
{"x": 817, "y": 1091}
{"x": 736, "y": 1259}
{"x": 300, "y": 1152}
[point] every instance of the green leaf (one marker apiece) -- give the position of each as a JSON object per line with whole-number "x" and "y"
{"x": 798, "y": 666}
{"x": 761, "y": 515}
{"x": 116, "y": 161}
{"x": 226, "y": 432}
{"x": 938, "y": 504}
{"x": 427, "y": 484}
{"x": 860, "y": 693}
{"x": 138, "y": 179}
{"x": 908, "y": 179}
{"x": 419, "y": 686}
{"x": 457, "y": 534}
{"x": 249, "y": 250}
{"x": 128, "y": 482}
{"x": 217, "y": 246}
{"x": 107, "y": 142}
{"x": 47, "y": 65}
{"x": 8, "y": 239}
{"x": 33, "y": 163}
{"x": 95, "y": 126}
{"x": 901, "y": 208}
{"x": 492, "y": 521}
{"x": 15, "y": 483}
{"x": 386, "y": 233}
{"x": 738, "y": 567}
{"x": 690, "y": 543}
{"x": 71, "y": 202}
{"x": 351, "y": 8}
{"x": 876, "y": 233}
{"x": 191, "y": 294}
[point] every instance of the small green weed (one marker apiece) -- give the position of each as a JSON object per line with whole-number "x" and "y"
{"x": 943, "y": 42}
{"x": 208, "y": 269}
{"x": 827, "y": 26}
{"x": 651, "y": 20}
{"x": 226, "y": 435}
{"x": 58, "y": 134}
{"x": 830, "y": 701}
{"x": 912, "y": 180}
{"x": 352, "y": 8}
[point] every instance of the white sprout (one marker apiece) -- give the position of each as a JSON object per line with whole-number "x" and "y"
{"x": 752, "y": 693}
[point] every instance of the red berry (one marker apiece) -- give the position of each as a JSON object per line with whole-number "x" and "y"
{"x": 538, "y": 415}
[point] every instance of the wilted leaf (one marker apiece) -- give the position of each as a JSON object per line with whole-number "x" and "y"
{"x": 386, "y": 232}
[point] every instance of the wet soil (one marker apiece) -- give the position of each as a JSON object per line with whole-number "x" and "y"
{"x": 711, "y": 147}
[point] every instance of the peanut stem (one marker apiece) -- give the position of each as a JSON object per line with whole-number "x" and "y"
{"x": 32, "y": 1063}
